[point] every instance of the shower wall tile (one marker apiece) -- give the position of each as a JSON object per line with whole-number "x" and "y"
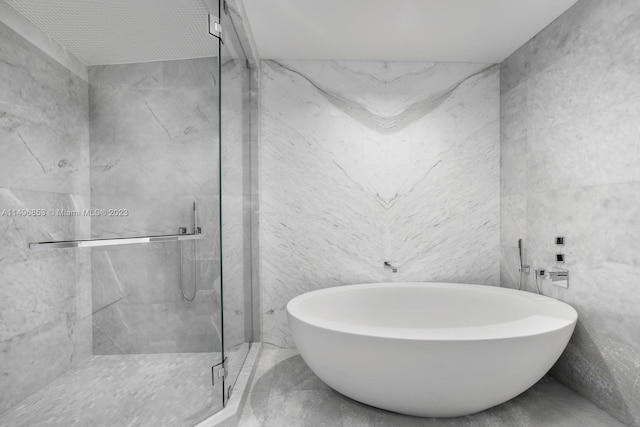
{"x": 30, "y": 361}
{"x": 43, "y": 121}
{"x": 579, "y": 145}
{"x": 45, "y": 300}
{"x": 154, "y": 151}
{"x": 142, "y": 134}
{"x": 361, "y": 163}
{"x": 146, "y": 75}
{"x": 138, "y": 307}
{"x": 157, "y": 328}
{"x": 195, "y": 73}
{"x": 21, "y": 312}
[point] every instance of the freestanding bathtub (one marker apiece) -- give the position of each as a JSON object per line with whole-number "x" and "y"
{"x": 429, "y": 349}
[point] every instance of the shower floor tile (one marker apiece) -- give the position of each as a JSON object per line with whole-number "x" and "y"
{"x": 125, "y": 390}
{"x": 285, "y": 392}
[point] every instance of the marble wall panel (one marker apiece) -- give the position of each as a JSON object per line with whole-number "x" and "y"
{"x": 45, "y": 296}
{"x": 570, "y": 143}
{"x": 154, "y": 151}
{"x": 361, "y": 163}
{"x": 43, "y": 121}
{"x": 254, "y": 206}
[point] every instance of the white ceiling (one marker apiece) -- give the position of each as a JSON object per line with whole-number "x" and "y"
{"x": 398, "y": 30}
{"x": 124, "y": 31}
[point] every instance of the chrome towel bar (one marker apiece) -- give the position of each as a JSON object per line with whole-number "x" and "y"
{"x": 93, "y": 243}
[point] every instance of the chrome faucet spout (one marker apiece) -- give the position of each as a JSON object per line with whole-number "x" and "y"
{"x": 387, "y": 264}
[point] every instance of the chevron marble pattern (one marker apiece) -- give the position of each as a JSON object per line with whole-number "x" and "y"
{"x": 366, "y": 162}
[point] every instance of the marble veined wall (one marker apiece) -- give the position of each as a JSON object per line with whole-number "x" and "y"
{"x": 570, "y": 131}
{"x": 366, "y": 162}
{"x": 154, "y": 151}
{"x": 45, "y": 296}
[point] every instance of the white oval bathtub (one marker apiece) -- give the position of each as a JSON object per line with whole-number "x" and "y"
{"x": 429, "y": 349}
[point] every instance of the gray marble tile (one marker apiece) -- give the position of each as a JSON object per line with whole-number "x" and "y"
{"x": 43, "y": 121}
{"x": 29, "y": 301}
{"x": 201, "y": 73}
{"x": 19, "y": 230}
{"x": 292, "y": 374}
{"x": 83, "y": 291}
{"x": 513, "y": 140}
{"x": 601, "y": 224}
{"x": 82, "y": 337}
{"x": 131, "y": 128}
{"x": 594, "y": 365}
{"x": 156, "y": 328}
{"x": 514, "y": 110}
{"x": 255, "y": 410}
{"x": 548, "y": 403}
{"x": 513, "y": 167}
{"x": 584, "y": 28}
{"x": 581, "y": 165}
{"x": 513, "y": 219}
{"x": 513, "y": 70}
{"x": 597, "y": 155}
{"x": 127, "y": 390}
{"x": 119, "y": 280}
{"x": 107, "y": 287}
{"x": 356, "y": 414}
{"x": 142, "y": 308}
{"x": 33, "y": 359}
{"x": 265, "y": 373}
{"x": 146, "y": 75}
{"x": 303, "y": 408}
{"x": 45, "y": 300}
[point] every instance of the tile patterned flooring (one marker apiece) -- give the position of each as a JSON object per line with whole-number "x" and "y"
{"x": 125, "y": 390}
{"x": 285, "y": 393}
{"x": 175, "y": 390}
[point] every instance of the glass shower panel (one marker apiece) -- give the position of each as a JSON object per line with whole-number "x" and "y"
{"x": 155, "y": 156}
{"x": 235, "y": 196}
{"x": 100, "y": 329}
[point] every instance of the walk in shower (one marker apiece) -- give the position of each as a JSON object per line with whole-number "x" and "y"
{"x": 125, "y": 256}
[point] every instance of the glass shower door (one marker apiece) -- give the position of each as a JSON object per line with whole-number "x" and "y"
{"x": 235, "y": 191}
{"x": 112, "y": 294}
{"x": 155, "y": 152}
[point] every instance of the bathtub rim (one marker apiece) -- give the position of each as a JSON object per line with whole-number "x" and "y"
{"x": 500, "y": 331}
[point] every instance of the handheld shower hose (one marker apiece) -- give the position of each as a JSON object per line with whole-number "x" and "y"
{"x": 195, "y": 260}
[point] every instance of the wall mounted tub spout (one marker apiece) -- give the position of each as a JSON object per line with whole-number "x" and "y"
{"x": 387, "y": 264}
